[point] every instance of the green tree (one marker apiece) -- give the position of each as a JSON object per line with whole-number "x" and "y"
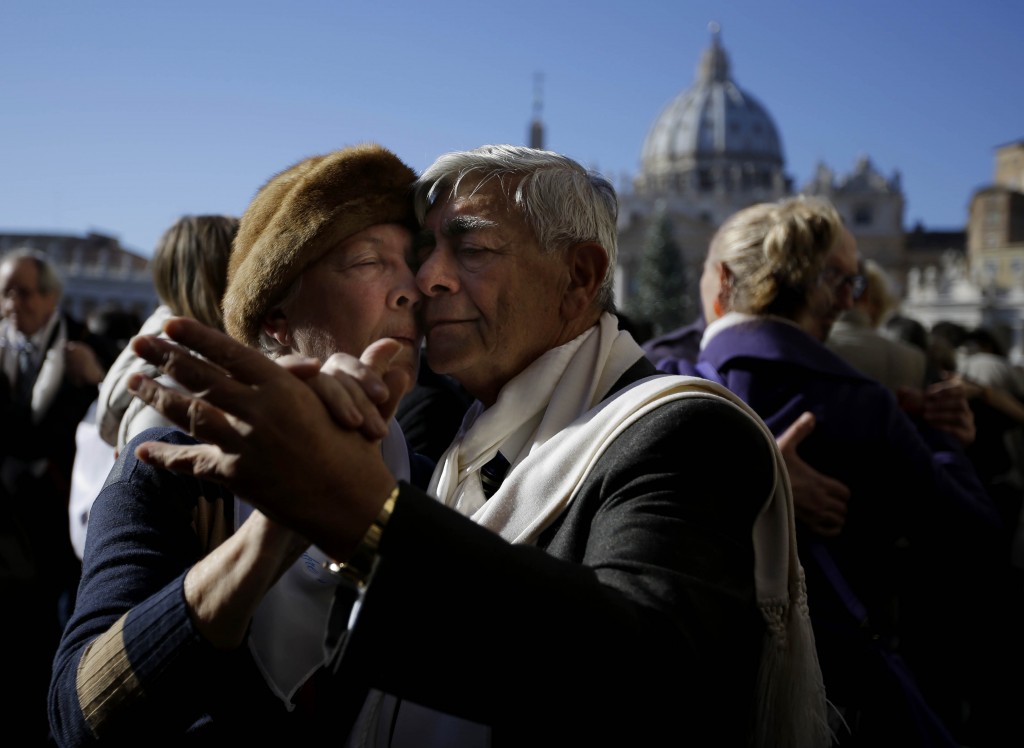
{"x": 662, "y": 296}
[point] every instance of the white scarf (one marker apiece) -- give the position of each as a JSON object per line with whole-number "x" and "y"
{"x": 545, "y": 398}
{"x": 288, "y": 637}
{"x": 563, "y": 388}
{"x": 51, "y": 371}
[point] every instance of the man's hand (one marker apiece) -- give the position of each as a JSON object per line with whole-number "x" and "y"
{"x": 910, "y": 400}
{"x": 819, "y": 501}
{"x": 83, "y": 367}
{"x": 946, "y": 408}
{"x": 269, "y": 438}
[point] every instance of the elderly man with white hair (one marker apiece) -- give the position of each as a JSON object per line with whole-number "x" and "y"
{"x": 604, "y": 554}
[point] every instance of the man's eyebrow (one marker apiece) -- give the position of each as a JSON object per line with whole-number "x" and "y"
{"x": 460, "y": 225}
{"x": 457, "y": 226}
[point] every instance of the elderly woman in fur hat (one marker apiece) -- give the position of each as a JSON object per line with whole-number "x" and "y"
{"x": 198, "y": 617}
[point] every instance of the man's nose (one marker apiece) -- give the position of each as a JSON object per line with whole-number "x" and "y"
{"x": 437, "y": 274}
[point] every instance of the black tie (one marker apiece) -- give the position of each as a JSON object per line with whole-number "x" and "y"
{"x": 26, "y": 374}
{"x": 493, "y": 473}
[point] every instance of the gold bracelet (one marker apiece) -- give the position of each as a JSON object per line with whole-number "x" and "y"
{"x": 360, "y": 564}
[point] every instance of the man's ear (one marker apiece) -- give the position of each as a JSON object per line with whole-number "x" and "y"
{"x": 587, "y": 264}
{"x": 275, "y": 324}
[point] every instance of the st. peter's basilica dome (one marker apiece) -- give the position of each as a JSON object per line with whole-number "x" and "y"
{"x": 713, "y": 136}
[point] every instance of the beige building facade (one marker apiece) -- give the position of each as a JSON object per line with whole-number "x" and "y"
{"x": 995, "y": 225}
{"x": 985, "y": 285}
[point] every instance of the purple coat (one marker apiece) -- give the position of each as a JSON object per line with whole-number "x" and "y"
{"x": 918, "y": 515}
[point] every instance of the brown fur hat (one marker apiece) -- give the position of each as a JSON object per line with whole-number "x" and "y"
{"x": 299, "y": 215}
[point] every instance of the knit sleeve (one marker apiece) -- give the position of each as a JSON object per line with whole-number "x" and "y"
{"x": 130, "y": 660}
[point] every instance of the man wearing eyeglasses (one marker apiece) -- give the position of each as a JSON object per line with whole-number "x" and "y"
{"x": 49, "y": 373}
{"x": 841, "y": 275}
{"x": 856, "y": 339}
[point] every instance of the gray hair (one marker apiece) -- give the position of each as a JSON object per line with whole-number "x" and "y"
{"x": 561, "y": 201}
{"x": 880, "y": 299}
{"x": 49, "y": 279}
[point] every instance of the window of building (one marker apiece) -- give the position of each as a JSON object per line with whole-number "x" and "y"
{"x": 862, "y": 215}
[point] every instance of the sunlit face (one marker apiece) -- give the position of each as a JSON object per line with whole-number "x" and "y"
{"x": 359, "y": 292}
{"x": 23, "y": 303}
{"x": 834, "y": 294}
{"x": 492, "y": 297}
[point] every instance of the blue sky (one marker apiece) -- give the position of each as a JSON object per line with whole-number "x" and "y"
{"x": 118, "y": 117}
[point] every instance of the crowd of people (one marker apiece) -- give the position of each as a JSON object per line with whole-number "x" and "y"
{"x": 386, "y": 468}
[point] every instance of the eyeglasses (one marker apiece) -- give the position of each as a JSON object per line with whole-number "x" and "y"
{"x": 835, "y": 280}
{"x": 19, "y": 292}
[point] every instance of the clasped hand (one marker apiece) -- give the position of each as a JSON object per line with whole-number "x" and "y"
{"x": 944, "y": 406}
{"x": 299, "y": 441}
